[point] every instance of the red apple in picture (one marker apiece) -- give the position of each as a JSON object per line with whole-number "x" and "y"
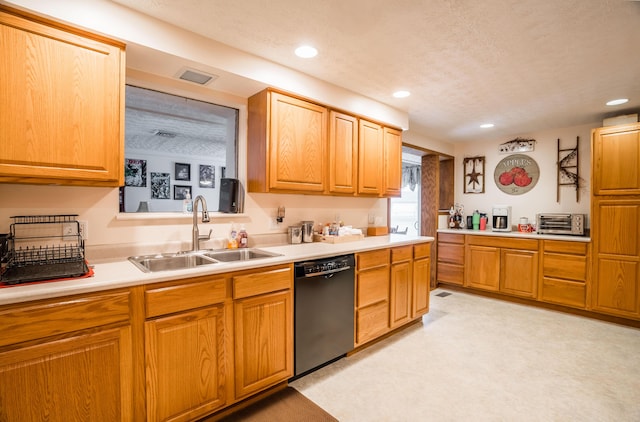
{"x": 522, "y": 179}
{"x": 506, "y": 178}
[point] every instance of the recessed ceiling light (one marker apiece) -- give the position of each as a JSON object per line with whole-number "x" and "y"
{"x": 486, "y": 125}
{"x": 618, "y": 101}
{"x": 306, "y": 52}
{"x": 401, "y": 94}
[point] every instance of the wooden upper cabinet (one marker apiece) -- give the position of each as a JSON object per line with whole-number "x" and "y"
{"x": 370, "y": 158}
{"x": 286, "y": 145}
{"x": 392, "y": 162}
{"x": 62, "y": 104}
{"x": 343, "y": 153}
{"x": 616, "y": 160}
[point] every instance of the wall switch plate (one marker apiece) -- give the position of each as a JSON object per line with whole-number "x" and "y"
{"x": 84, "y": 229}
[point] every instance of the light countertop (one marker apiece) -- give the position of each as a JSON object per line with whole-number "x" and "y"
{"x": 518, "y": 235}
{"x": 122, "y": 273}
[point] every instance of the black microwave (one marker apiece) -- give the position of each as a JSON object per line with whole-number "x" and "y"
{"x": 557, "y": 223}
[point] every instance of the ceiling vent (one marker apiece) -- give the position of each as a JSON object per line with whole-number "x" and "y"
{"x": 165, "y": 134}
{"x": 197, "y": 77}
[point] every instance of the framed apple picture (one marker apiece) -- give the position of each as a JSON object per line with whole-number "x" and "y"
{"x": 516, "y": 174}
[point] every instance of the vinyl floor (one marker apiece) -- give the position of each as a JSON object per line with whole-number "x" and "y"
{"x": 480, "y": 359}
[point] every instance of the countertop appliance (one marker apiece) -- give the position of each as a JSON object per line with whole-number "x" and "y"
{"x": 323, "y": 311}
{"x": 501, "y": 218}
{"x": 558, "y": 223}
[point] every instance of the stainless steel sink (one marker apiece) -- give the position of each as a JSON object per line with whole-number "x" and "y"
{"x": 167, "y": 262}
{"x": 184, "y": 260}
{"x": 231, "y": 255}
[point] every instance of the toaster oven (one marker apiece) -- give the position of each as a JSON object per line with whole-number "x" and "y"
{"x": 556, "y": 223}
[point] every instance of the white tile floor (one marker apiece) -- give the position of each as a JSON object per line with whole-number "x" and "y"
{"x": 480, "y": 359}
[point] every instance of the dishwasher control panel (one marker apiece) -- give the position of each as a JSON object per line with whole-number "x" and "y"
{"x": 324, "y": 266}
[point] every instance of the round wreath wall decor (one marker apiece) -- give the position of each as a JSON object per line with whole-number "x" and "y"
{"x": 516, "y": 174}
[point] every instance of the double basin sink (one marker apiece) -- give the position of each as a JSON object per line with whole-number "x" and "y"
{"x": 184, "y": 260}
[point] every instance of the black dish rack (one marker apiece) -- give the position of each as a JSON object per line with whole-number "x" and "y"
{"x": 43, "y": 247}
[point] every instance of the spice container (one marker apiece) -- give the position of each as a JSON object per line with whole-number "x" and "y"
{"x": 294, "y": 234}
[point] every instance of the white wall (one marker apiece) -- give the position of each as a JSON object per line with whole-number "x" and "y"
{"x": 542, "y": 198}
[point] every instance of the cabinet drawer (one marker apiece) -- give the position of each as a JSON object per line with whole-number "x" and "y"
{"x": 450, "y": 273}
{"x": 372, "y": 322}
{"x": 422, "y": 250}
{"x": 577, "y": 248}
{"x": 401, "y": 254}
{"x": 44, "y": 319}
{"x": 262, "y": 282}
{"x": 372, "y": 259}
{"x": 572, "y": 267}
{"x": 451, "y": 253}
{"x": 373, "y": 286}
{"x": 196, "y": 294}
{"x": 451, "y": 238}
{"x": 502, "y": 242}
{"x": 563, "y": 292}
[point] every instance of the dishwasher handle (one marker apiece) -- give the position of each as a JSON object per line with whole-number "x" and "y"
{"x": 327, "y": 273}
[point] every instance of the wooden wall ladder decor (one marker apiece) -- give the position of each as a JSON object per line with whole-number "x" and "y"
{"x": 568, "y": 169}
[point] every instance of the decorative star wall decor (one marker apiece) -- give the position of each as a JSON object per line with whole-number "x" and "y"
{"x": 473, "y": 175}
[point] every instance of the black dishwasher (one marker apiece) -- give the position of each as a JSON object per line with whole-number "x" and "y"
{"x": 324, "y": 311}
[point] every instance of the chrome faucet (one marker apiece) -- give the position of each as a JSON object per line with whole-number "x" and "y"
{"x": 196, "y": 238}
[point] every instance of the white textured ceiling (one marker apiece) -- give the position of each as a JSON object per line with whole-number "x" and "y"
{"x": 525, "y": 65}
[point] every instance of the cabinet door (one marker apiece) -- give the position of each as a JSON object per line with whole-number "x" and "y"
{"x": 482, "y": 267}
{"x": 421, "y": 287}
{"x": 62, "y": 105}
{"x": 297, "y": 145}
{"x": 370, "y": 158}
{"x": 616, "y": 160}
{"x": 616, "y": 257}
{"x": 185, "y": 364}
{"x": 82, "y": 378}
{"x": 392, "y": 162}
{"x": 519, "y": 272}
{"x": 400, "y": 300}
{"x": 343, "y": 153}
{"x": 263, "y": 341}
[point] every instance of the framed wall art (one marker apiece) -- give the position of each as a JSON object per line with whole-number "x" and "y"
{"x": 516, "y": 174}
{"x": 181, "y": 192}
{"x": 182, "y": 171}
{"x": 135, "y": 172}
{"x": 473, "y": 175}
{"x": 207, "y": 176}
{"x": 160, "y": 186}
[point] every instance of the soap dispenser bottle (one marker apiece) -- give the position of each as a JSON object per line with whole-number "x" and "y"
{"x": 243, "y": 237}
{"x": 187, "y": 203}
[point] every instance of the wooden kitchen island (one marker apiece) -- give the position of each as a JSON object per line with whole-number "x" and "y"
{"x": 180, "y": 345}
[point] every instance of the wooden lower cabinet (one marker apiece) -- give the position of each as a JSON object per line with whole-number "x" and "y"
{"x": 564, "y": 273}
{"x": 67, "y": 359}
{"x": 482, "y": 269}
{"x": 401, "y": 286}
{"x": 185, "y": 361}
{"x": 263, "y": 329}
{"x": 616, "y": 256}
{"x": 421, "y": 280}
{"x": 519, "y": 272}
{"x": 450, "y": 256}
{"x": 372, "y": 295}
{"x": 503, "y": 265}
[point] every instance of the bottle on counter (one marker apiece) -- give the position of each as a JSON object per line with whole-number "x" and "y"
{"x": 187, "y": 204}
{"x": 483, "y": 221}
{"x": 233, "y": 238}
{"x": 243, "y": 237}
{"x": 476, "y": 220}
